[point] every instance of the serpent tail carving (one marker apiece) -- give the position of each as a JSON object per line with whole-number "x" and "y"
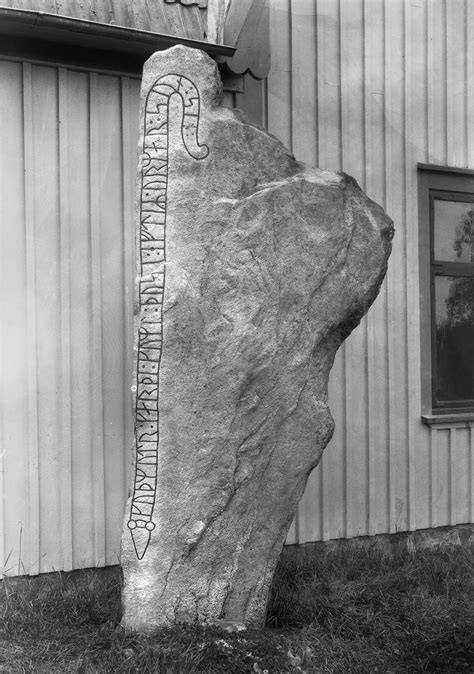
{"x": 151, "y": 287}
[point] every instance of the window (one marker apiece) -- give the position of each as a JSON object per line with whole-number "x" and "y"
{"x": 446, "y": 207}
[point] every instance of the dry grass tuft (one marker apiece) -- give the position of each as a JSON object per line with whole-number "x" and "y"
{"x": 367, "y": 609}
{"x": 346, "y": 611}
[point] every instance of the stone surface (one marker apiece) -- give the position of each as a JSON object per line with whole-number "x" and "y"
{"x": 252, "y": 269}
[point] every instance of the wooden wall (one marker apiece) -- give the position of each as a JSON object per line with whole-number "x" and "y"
{"x": 68, "y": 151}
{"x": 372, "y": 87}
{"x": 67, "y": 167}
{"x": 150, "y": 15}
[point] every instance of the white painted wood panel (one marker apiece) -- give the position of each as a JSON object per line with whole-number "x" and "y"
{"x": 352, "y": 152}
{"x": 67, "y": 166}
{"x": 367, "y": 86}
{"x": 303, "y": 78}
{"x": 29, "y": 552}
{"x": 65, "y": 389}
{"x": 81, "y": 316}
{"x": 18, "y": 427}
{"x": 416, "y": 150}
{"x": 394, "y": 86}
{"x": 377, "y": 338}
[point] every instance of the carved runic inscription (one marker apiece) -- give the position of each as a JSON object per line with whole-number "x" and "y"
{"x": 151, "y": 286}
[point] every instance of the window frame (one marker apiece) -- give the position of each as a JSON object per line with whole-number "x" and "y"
{"x": 437, "y": 182}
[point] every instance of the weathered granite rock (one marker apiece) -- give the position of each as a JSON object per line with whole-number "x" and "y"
{"x": 252, "y": 269}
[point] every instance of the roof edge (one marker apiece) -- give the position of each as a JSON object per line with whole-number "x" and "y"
{"x": 70, "y": 30}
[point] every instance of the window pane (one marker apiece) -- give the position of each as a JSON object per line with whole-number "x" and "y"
{"x": 454, "y": 309}
{"x": 453, "y": 230}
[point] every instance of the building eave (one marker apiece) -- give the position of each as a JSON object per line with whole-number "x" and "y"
{"x": 63, "y": 30}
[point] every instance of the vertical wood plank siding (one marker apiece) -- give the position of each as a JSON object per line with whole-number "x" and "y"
{"x": 67, "y": 165}
{"x": 19, "y": 425}
{"x": 372, "y": 87}
{"x": 96, "y": 390}
{"x": 28, "y": 546}
{"x": 65, "y": 463}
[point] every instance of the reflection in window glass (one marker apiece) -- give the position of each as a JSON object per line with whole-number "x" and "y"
{"x": 454, "y": 313}
{"x": 453, "y": 230}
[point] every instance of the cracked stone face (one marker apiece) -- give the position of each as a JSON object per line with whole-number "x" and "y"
{"x": 251, "y": 270}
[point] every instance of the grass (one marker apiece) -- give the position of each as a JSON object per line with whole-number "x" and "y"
{"x": 369, "y": 611}
{"x": 350, "y": 610}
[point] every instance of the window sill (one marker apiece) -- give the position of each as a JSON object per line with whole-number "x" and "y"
{"x": 459, "y": 419}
